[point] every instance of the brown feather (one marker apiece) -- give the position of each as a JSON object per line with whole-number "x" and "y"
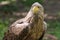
{"x": 32, "y": 31}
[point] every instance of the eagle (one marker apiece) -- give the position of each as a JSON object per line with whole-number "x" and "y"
{"x": 31, "y": 27}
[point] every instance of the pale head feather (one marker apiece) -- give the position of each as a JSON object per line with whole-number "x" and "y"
{"x": 37, "y": 4}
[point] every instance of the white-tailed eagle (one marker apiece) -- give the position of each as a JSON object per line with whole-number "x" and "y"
{"x": 31, "y": 27}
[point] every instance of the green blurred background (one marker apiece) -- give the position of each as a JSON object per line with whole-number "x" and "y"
{"x": 11, "y": 10}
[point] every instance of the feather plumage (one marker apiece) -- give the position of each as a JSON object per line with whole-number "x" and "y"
{"x": 28, "y": 28}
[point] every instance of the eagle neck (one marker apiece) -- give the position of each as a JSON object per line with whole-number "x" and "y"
{"x": 29, "y": 15}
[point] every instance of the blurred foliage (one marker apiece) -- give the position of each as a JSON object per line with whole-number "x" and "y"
{"x": 3, "y": 28}
{"x": 2, "y": 0}
{"x": 54, "y": 28}
{"x": 9, "y": 7}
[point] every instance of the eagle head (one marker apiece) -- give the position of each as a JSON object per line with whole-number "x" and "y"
{"x": 37, "y": 8}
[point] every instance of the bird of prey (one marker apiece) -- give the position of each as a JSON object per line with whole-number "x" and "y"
{"x": 31, "y": 27}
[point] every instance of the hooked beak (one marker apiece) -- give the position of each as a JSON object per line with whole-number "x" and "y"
{"x": 35, "y": 9}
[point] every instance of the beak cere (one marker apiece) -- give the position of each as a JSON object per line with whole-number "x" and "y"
{"x": 35, "y": 9}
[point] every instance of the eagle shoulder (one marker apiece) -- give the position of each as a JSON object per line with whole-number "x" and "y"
{"x": 18, "y": 29}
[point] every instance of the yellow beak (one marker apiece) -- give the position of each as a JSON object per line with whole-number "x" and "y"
{"x": 35, "y": 9}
